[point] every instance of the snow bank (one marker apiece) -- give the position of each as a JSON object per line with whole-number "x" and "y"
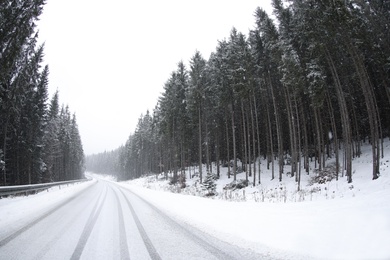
{"x": 335, "y": 220}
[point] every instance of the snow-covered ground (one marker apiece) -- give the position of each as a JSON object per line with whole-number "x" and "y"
{"x": 335, "y": 220}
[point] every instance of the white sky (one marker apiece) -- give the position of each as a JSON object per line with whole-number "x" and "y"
{"x": 110, "y": 59}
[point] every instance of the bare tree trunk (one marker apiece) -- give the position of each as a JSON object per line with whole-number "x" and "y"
{"x": 334, "y": 134}
{"x": 200, "y": 143}
{"x": 244, "y": 138}
{"x": 318, "y": 136}
{"x": 295, "y": 129}
{"x": 5, "y": 137}
{"x": 227, "y": 146}
{"x": 278, "y": 128}
{"x": 305, "y": 139}
{"x": 208, "y": 166}
{"x": 291, "y": 124}
{"x": 183, "y": 158}
{"x": 270, "y": 157}
{"x": 175, "y": 156}
{"x": 217, "y": 159}
{"x": 371, "y": 106}
{"x": 258, "y": 137}
{"x": 344, "y": 116}
{"x": 234, "y": 143}
{"x": 299, "y": 145}
{"x": 253, "y": 143}
{"x": 248, "y": 143}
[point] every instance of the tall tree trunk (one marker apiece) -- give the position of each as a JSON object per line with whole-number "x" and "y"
{"x": 318, "y": 137}
{"x": 295, "y": 128}
{"x": 200, "y": 143}
{"x": 278, "y": 128}
{"x": 290, "y": 116}
{"x": 305, "y": 138}
{"x": 334, "y": 134}
{"x": 208, "y": 165}
{"x": 344, "y": 116}
{"x": 371, "y": 106}
{"x": 175, "y": 156}
{"x": 258, "y": 136}
{"x": 227, "y": 145}
{"x": 253, "y": 142}
{"x": 5, "y": 151}
{"x": 248, "y": 143}
{"x": 244, "y": 139}
{"x": 270, "y": 157}
{"x": 217, "y": 159}
{"x": 234, "y": 143}
{"x": 299, "y": 144}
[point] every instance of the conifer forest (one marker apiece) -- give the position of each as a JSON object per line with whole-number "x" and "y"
{"x": 270, "y": 143}
{"x": 309, "y": 83}
{"x": 39, "y": 140}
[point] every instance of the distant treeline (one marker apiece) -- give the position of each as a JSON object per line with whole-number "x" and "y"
{"x": 39, "y": 142}
{"x": 315, "y": 85}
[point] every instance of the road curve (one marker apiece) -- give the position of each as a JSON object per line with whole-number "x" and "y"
{"x": 108, "y": 221}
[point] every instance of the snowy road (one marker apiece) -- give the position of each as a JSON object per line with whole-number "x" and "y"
{"x": 106, "y": 221}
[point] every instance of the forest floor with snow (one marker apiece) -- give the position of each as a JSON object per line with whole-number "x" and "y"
{"x": 333, "y": 220}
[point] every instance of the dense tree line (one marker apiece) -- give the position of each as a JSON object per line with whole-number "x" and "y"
{"x": 312, "y": 86}
{"x": 39, "y": 142}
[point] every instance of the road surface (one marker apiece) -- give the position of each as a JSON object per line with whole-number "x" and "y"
{"x": 108, "y": 221}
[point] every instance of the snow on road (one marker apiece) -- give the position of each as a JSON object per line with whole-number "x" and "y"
{"x": 101, "y": 220}
{"x": 13, "y": 211}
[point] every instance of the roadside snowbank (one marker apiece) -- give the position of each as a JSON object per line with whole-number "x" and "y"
{"x": 337, "y": 221}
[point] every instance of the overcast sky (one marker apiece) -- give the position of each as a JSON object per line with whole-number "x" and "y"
{"x": 109, "y": 60}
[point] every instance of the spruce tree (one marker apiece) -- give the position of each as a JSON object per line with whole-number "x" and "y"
{"x": 196, "y": 99}
{"x": 209, "y": 185}
{"x": 51, "y": 142}
{"x": 19, "y": 75}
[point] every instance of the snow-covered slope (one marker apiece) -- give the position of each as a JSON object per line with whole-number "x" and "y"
{"x": 335, "y": 220}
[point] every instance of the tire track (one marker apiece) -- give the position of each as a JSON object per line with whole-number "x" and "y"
{"x": 148, "y": 244}
{"x": 50, "y": 244}
{"x": 11, "y": 237}
{"x": 124, "y": 249}
{"x": 195, "y": 238}
{"x": 89, "y": 226}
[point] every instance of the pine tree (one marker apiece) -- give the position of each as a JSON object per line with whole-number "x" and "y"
{"x": 76, "y": 153}
{"x": 270, "y": 60}
{"x": 51, "y": 142}
{"x": 19, "y": 75}
{"x": 218, "y": 85}
{"x": 277, "y": 94}
{"x": 196, "y": 99}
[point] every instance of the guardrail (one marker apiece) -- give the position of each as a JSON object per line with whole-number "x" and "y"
{"x": 19, "y": 189}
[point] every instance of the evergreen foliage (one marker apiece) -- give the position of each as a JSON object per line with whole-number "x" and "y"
{"x": 209, "y": 185}
{"x": 312, "y": 86}
{"x": 31, "y": 132}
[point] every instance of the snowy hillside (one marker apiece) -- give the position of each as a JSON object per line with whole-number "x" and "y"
{"x": 335, "y": 220}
